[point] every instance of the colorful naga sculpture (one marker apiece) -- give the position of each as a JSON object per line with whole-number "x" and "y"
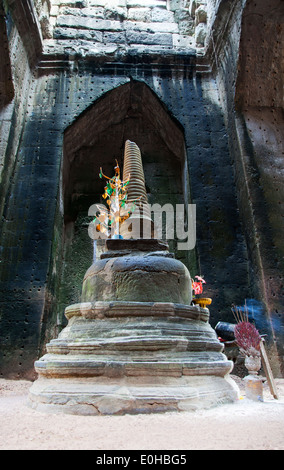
{"x": 109, "y": 219}
{"x": 125, "y": 198}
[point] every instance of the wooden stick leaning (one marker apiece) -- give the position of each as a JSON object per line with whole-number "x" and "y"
{"x": 267, "y": 370}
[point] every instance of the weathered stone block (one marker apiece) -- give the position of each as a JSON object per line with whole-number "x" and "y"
{"x": 200, "y": 15}
{"x": 75, "y": 33}
{"x": 75, "y": 47}
{"x": 161, "y": 15}
{"x": 139, "y": 14}
{"x": 118, "y": 38}
{"x": 183, "y": 41}
{"x": 75, "y": 3}
{"x": 103, "y": 3}
{"x": 88, "y": 23}
{"x": 54, "y": 10}
{"x": 194, "y": 4}
{"x": 115, "y": 13}
{"x": 145, "y": 38}
{"x": 91, "y": 12}
{"x": 200, "y": 34}
{"x": 185, "y": 22}
{"x": 175, "y": 5}
{"x": 151, "y": 27}
{"x": 146, "y": 3}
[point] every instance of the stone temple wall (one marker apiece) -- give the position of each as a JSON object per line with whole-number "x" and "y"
{"x": 72, "y": 75}
{"x": 250, "y": 84}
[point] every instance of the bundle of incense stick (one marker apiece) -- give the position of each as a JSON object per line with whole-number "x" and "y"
{"x": 240, "y": 314}
{"x": 246, "y": 334}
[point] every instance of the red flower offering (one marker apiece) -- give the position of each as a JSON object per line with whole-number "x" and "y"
{"x": 197, "y": 286}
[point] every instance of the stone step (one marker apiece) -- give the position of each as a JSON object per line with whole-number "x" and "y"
{"x": 119, "y": 309}
{"x": 106, "y": 396}
{"x": 52, "y": 365}
{"x": 134, "y": 346}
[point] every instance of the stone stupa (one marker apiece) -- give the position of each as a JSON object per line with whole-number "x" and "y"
{"x": 135, "y": 343}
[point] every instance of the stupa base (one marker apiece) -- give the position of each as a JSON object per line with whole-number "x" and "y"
{"x": 99, "y": 396}
{"x": 141, "y": 348}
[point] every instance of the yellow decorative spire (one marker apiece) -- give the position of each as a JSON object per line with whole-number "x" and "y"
{"x": 142, "y": 225}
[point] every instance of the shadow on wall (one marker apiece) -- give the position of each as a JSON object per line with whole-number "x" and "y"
{"x": 259, "y": 102}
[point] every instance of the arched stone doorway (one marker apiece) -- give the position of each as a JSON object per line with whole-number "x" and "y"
{"x": 96, "y": 139}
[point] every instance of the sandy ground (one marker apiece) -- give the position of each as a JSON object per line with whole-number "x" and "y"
{"x": 245, "y": 425}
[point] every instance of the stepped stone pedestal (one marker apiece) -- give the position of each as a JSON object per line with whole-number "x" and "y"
{"x": 135, "y": 344}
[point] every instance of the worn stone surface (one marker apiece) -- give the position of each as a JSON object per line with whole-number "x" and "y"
{"x": 250, "y": 80}
{"x": 200, "y": 34}
{"x": 200, "y": 15}
{"x": 138, "y": 276}
{"x": 234, "y": 170}
{"x": 51, "y": 395}
{"x": 6, "y": 82}
{"x": 148, "y": 23}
